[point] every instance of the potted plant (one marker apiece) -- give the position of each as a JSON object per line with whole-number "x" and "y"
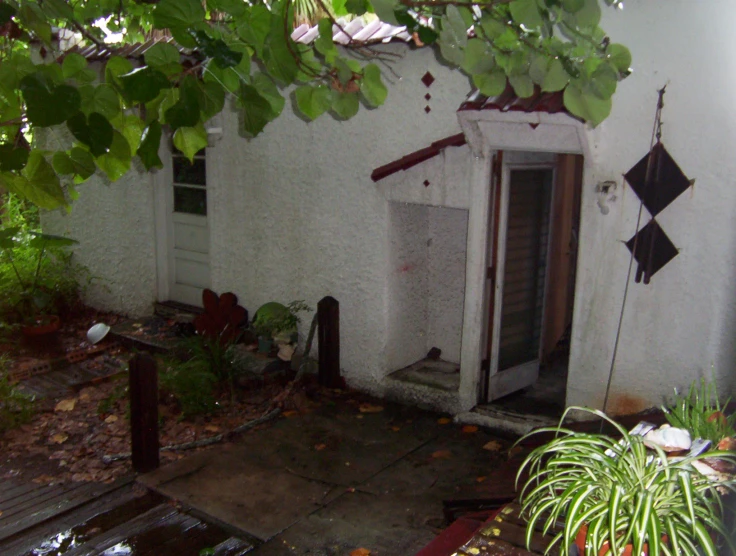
{"x": 32, "y": 302}
{"x": 276, "y": 321}
{"x": 617, "y": 496}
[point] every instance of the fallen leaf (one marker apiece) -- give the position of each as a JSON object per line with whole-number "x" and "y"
{"x": 492, "y": 446}
{"x": 370, "y": 408}
{"x": 290, "y": 413}
{"x": 212, "y": 428}
{"x": 66, "y": 405}
{"x": 320, "y": 447}
{"x": 444, "y": 421}
{"x": 442, "y": 454}
{"x": 395, "y": 429}
{"x": 480, "y": 479}
{"x": 470, "y": 428}
{"x": 111, "y": 419}
{"x": 59, "y": 438}
{"x": 360, "y": 552}
{"x": 84, "y": 397}
{"x": 1, "y": 513}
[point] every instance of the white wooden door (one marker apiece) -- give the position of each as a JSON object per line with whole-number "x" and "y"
{"x": 188, "y": 238}
{"x": 520, "y": 278}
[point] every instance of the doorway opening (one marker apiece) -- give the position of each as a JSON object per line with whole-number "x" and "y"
{"x": 426, "y": 286}
{"x": 532, "y": 257}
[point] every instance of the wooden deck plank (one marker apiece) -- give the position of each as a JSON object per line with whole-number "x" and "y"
{"x": 98, "y": 516}
{"x": 233, "y": 547}
{"x": 145, "y": 521}
{"x": 9, "y": 490}
{"x": 31, "y": 498}
{"x": 43, "y": 509}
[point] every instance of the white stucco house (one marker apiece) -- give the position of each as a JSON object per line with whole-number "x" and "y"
{"x": 492, "y": 262}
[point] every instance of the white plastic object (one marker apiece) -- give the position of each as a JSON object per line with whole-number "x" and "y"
{"x": 97, "y": 333}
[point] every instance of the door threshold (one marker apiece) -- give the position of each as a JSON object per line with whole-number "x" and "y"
{"x": 504, "y": 421}
{"x": 175, "y": 310}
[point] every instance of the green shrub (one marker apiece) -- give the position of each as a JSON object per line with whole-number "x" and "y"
{"x": 701, "y": 412}
{"x": 192, "y": 383}
{"x": 60, "y": 280}
{"x": 16, "y": 408}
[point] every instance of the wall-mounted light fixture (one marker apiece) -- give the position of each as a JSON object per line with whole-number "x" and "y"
{"x": 605, "y": 191}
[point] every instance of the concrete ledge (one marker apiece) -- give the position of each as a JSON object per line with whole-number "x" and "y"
{"x": 504, "y": 421}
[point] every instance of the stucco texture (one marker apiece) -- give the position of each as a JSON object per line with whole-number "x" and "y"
{"x": 683, "y": 324}
{"x": 114, "y": 225}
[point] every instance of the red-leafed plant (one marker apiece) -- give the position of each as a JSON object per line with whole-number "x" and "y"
{"x": 222, "y": 320}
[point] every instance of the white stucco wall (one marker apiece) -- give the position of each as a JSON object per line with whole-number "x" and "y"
{"x": 294, "y": 214}
{"x": 683, "y": 323}
{"x": 114, "y": 225}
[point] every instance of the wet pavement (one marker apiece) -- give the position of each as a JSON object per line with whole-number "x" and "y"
{"x": 347, "y": 473}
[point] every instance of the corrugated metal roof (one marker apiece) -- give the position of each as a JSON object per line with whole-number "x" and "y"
{"x": 358, "y": 29}
{"x": 508, "y": 101}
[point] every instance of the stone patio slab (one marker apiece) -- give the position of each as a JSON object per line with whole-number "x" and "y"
{"x": 232, "y": 487}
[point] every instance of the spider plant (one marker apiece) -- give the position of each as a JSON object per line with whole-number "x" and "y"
{"x": 624, "y": 493}
{"x": 701, "y": 412}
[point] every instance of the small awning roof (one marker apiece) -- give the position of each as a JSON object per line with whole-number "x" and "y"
{"x": 417, "y": 157}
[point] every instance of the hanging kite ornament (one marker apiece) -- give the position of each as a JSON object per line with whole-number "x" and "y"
{"x": 657, "y": 180}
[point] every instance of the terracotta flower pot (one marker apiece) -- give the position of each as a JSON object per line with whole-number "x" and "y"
{"x": 628, "y": 550}
{"x": 44, "y": 325}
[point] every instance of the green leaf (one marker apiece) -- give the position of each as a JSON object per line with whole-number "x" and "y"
{"x": 150, "y": 143}
{"x": 589, "y": 16}
{"x": 313, "y": 101}
{"x": 212, "y": 99}
{"x": 491, "y": 27}
{"x": 384, "y": 9}
{"x": 556, "y": 79}
{"x": 6, "y": 13}
{"x": 603, "y": 81}
{"x": 58, "y": 9}
{"x": 339, "y": 8}
{"x": 268, "y": 90}
{"x": 526, "y": 13}
{"x": 454, "y": 36}
{"x": 42, "y": 185}
{"x": 217, "y": 48}
{"x": 427, "y": 35}
{"x": 32, "y": 18}
{"x": 116, "y": 67}
{"x": 324, "y": 44}
{"x": 538, "y": 68}
{"x": 48, "y": 104}
{"x": 279, "y": 61}
{"x": 619, "y": 56}
{"x": 13, "y": 70}
{"x": 132, "y": 129}
{"x": 523, "y": 85}
{"x": 143, "y": 84}
{"x": 372, "y": 87}
{"x": 233, "y": 7}
{"x": 73, "y": 63}
{"x": 357, "y": 7}
{"x": 178, "y": 14}
{"x": 573, "y": 6}
{"x": 491, "y": 84}
{"x": 190, "y": 140}
{"x": 478, "y": 57}
{"x": 164, "y": 57}
{"x": 345, "y": 105}
{"x": 84, "y": 163}
{"x": 94, "y": 131}
{"x": 62, "y": 163}
{"x": 186, "y": 112}
{"x": 12, "y": 158}
{"x": 586, "y": 106}
{"x": 102, "y": 99}
{"x": 256, "y": 27}
{"x": 116, "y": 162}
{"x": 228, "y": 79}
{"x": 257, "y": 111}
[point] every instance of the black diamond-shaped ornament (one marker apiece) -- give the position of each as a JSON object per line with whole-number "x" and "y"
{"x": 667, "y": 180}
{"x": 653, "y": 250}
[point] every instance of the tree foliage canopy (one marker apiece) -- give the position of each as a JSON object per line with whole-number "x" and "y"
{"x": 99, "y": 117}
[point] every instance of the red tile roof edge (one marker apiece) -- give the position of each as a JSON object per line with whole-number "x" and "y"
{"x": 417, "y": 157}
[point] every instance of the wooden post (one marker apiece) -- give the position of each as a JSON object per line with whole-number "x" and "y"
{"x": 144, "y": 413}
{"x": 328, "y": 330}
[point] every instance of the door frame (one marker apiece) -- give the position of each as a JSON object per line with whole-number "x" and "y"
{"x": 488, "y": 131}
{"x": 500, "y": 384}
{"x": 164, "y": 211}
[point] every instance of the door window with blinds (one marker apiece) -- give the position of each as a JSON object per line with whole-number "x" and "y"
{"x": 527, "y": 241}
{"x": 190, "y": 183}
